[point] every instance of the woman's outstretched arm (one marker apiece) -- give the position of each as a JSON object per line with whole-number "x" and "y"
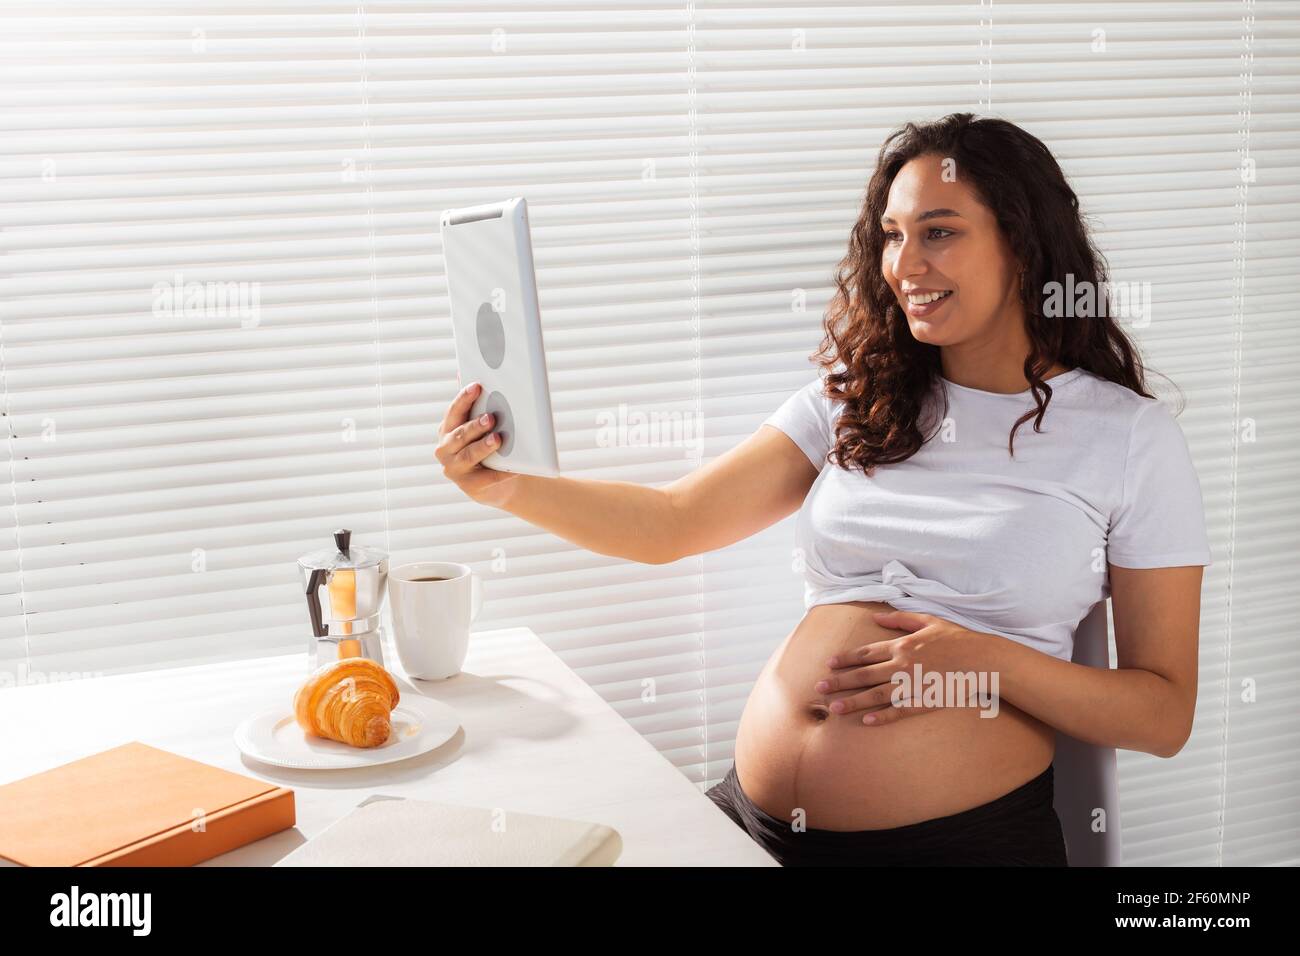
{"x": 739, "y": 493}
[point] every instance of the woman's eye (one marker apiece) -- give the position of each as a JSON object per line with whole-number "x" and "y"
{"x": 891, "y": 236}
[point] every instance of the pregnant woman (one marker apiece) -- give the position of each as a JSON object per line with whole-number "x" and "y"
{"x": 977, "y": 465}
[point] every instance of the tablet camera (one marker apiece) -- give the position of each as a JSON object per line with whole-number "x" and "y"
{"x": 491, "y": 335}
{"x": 502, "y": 421}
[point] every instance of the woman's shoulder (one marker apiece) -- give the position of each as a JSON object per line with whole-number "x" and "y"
{"x": 818, "y": 393}
{"x": 1116, "y": 403}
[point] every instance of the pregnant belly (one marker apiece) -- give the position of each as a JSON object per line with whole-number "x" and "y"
{"x": 792, "y": 753}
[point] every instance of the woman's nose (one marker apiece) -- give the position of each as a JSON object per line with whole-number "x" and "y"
{"x": 908, "y": 260}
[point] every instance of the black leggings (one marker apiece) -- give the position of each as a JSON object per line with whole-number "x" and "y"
{"x": 1019, "y": 828}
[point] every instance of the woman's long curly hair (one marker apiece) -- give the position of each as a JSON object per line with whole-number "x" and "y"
{"x": 887, "y": 373}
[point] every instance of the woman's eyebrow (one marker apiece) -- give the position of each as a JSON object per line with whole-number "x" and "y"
{"x": 929, "y": 214}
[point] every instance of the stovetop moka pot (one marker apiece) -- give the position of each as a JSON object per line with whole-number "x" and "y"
{"x": 346, "y": 586}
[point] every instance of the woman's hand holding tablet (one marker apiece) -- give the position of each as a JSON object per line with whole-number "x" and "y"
{"x": 463, "y": 443}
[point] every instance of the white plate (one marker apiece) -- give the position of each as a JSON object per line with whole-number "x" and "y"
{"x": 420, "y": 724}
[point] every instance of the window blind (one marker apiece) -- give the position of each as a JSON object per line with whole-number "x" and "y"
{"x": 224, "y": 330}
{"x": 1180, "y": 136}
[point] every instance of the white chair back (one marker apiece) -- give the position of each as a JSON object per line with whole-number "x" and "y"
{"x": 1085, "y": 775}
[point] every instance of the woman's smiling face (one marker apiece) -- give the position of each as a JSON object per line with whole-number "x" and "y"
{"x": 938, "y": 237}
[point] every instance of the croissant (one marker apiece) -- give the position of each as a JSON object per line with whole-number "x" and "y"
{"x": 348, "y": 701}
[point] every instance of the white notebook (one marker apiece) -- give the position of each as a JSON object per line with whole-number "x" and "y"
{"x": 394, "y": 831}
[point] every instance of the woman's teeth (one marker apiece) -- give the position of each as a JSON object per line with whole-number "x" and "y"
{"x": 928, "y": 297}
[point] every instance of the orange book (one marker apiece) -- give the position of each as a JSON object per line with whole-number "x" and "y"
{"x": 136, "y": 805}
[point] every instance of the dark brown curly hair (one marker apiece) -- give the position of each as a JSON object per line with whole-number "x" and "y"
{"x": 887, "y": 373}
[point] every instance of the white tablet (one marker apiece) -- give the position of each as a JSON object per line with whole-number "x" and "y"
{"x": 497, "y": 328}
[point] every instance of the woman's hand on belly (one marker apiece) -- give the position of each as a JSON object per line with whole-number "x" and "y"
{"x": 793, "y": 753}
{"x": 924, "y": 669}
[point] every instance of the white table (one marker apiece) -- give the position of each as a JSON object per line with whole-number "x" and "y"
{"x": 534, "y": 738}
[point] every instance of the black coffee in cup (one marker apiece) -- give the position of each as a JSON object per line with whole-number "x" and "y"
{"x": 434, "y": 603}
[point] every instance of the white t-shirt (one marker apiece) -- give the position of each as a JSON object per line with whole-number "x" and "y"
{"x": 1012, "y": 547}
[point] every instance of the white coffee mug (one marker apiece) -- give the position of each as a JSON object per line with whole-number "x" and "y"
{"x": 431, "y": 619}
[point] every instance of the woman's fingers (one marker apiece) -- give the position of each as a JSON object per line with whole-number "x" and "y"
{"x": 460, "y": 434}
{"x": 463, "y": 445}
{"x": 474, "y": 451}
{"x": 903, "y": 620}
{"x": 878, "y": 696}
{"x": 458, "y": 411}
{"x": 866, "y": 654}
{"x": 847, "y": 679}
{"x": 879, "y": 700}
{"x": 895, "y": 712}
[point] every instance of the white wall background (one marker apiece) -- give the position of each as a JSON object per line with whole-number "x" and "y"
{"x": 692, "y": 171}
